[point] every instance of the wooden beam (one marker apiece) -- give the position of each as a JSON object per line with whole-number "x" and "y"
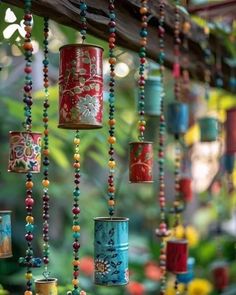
{"x": 66, "y": 12}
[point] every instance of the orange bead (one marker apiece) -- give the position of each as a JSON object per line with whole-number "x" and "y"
{"x": 46, "y": 132}
{"x": 76, "y": 262}
{"x": 46, "y": 152}
{"x": 75, "y": 282}
{"x": 112, "y": 60}
{"x": 28, "y": 29}
{"x": 45, "y": 119}
{"x": 143, "y": 10}
{"x": 186, "y": 27}
{"x": 76, "y": 228}
{"x": 111, "y": 189}
{"x": 143, "y": 42}
{"x": 112, "y": 122}
{"x": 29, "y": 219}
{"x": 27, "y": 46}
{"x": 76, "y": 165}
{"x": 111, "y": 202}
{"x": 111, "y": 139}
{"x": 45, "y": 182}
{"x": 28, "y": 293}
{"x": 46, "y": 85}
{"x": 29, "y": 184}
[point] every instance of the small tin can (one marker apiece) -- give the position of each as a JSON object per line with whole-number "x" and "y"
{"x": 25, "y": 152}
{"x": 231, "y": 131}
{"x": 220, "y": 272}
{"x": 185, "y": 189}
{"x": 141, "y": 162}
{"x": 177, "y": 118}
{"x": 186, "y": 278}
{"x": 177, "y": 256}
{"x": 229, "y": 163}
{"x": 81, "y": 86}
{"x": 5, "y": 234}
{"x": 209, "y": 129}
{"x": 111, "y": 251}
{"x": 153, "y": 92}
{"x": 46, "y": 287}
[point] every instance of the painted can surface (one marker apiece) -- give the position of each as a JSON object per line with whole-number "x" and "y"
{"x": 185, "y": 189}
{"x": 25, "y": 152}
{"x": 209, "y": 129}
{"x": 231, "y": 131}
{"x": 177, "y": 118}
{"x": 229, "y": 163}
{"x": 80, "y": 87}
{"x": 176, "y": 256}
{"x": 153, "y": 91}
{"x": 187, "y": 277}
{"x": 141, "y": 162}
{"x": 46, "y": 287}
{"x": 220, "y": 275}
{"x": 111, "y": 251}
{"x": 5, "y": 234}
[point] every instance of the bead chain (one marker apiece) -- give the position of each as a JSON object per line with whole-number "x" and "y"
{"x": 45, "y": 181}
{"x": 83, "y": 19}
{"x": 207, "y": 59}
{"x": 161, "y": 155}
{"x": 185, "y": 73}
{"x": 142, "y": 61}
{"x": 28, "y": 49}
{"x": 111, "y": 122}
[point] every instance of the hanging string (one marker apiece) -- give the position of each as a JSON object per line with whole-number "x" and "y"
{"x": 112, "y": 121}
{"x": 45, "y": 181}
{"x": 142, "y": 62}
{"x": 83, "y": 19}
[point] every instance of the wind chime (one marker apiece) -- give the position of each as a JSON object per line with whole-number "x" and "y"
{"x": 162, "y": 232}
{"x": 177, "y": 249}
{"x": 80, "y": 107}
{"x": 141, "y": 152}
{"x": 25, "y": 152}
{"x": 111, "y": 233}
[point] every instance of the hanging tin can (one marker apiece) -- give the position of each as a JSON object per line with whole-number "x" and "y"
{"x": 111, "y": 251}
{"x": 46, "y": 287}
{"x": 229, "y": 163}
{"x": 185, "y": 189}
{"x": 80, "y": 87}
{"x": 177, "y": 256}
{"x": 5, "y": 234}
{"x": 177, "y": 118}
{"x": 153, "y": 91}
{"x": 209, "y": 129}
{"x": 231, "y": 131}
{"x": 187, "y": 277}
{"x": 25, "y": 152}
{"x": 141, "y": 162}
{"x": 220, "y": 273}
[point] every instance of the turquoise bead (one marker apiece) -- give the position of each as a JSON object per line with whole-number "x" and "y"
{"x": 29, "y": 227}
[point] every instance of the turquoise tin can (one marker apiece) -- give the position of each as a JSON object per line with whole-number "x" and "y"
{"x": 111, "y": 251}
{"x": 177, "y": 118}
{"x": 209, "y": 129}
{"x": 229, "y": 163}
{"x": 153, "y": 92}
{"x": 187, "y": 277}
{"x": 5, "y": 234}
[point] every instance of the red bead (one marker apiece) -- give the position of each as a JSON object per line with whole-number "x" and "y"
{"x": 29, "y": 201}
{"x": 76, "y": 273}
{"x": 76, "y": 245}
{"x": 29, "y": 237}
{"x": 76, "y": 210}
{"x": 46, "y": 260}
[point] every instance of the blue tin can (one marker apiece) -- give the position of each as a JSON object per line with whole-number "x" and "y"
{"x": 111, "y": 251}
{"x": 229, "y": 163}
{"x": 5, "y": 234}
{"x": 209, "y": 129}
{"x": 177, "y": 118}
{"x": 187, "y": 277}
{"x": 153, "y": 92}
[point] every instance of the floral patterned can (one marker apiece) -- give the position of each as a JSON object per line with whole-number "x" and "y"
{"x": 141, "y": 162}
{"x": 81, "y": 87}
{"x": 177, "y": 256}
{"x": 46, "y": 287}
{"x": 25, "y": 152}
{"x": 5, "y": 234}
{"x": 111, "y": 251}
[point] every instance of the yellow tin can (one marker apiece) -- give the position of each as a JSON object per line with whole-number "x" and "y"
{"x": 46, "y": 287}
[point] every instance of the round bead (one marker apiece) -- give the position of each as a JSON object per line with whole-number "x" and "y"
{"x": 75, "y": 282}
{"x": 28, "y": 293}
{"x": 76, "y": 262}
{"x": 29, "y": 219}
{"x": 82, "y": 292}
{"x": 28, "y": 276}
{"x": 76, "y": 228}
{"x": 45, "y": 182}
{"x": 77, "y": 157}
{"x": 112, "y": 164}
{"x": 77, "y": 141}
{"x": 111, "y": 202}
{"x": 111, "y": 139}
{"x": 143, "y": 10}
{"x": 112, "y": 122}
{"x": 29, "y": 184}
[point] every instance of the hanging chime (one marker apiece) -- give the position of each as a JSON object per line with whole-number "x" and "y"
{"x": 141, "y": 152}
{"x": 5, "y": 236}
{"x": 111, "y": 233}
{"x": 209, "y": 129}
{"x": 153, "y": 90}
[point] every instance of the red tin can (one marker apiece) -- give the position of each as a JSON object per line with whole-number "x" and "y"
{"x": 185, "y": 189}
{"x": 141, "y": 162}
{"x": 220, "y": 275}
{"x": 177, "y": 256}
{"x": 231, "y": 131}
{"x": 81, "y": 87}
{"x": 25, "y": 152}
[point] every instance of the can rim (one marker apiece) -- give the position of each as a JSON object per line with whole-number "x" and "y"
{"x": 140, "y": 142}
{"x": 113, "y": 219}
{"x": 208, "y": 117}
{"x": 177, "y": 103}
{"x": 81, "y": 45}
{"x": 5, "y": 211}
{"x": 29, "y": 132}
{"x": 181, "y": 241}
{"x": 45, "y": 281}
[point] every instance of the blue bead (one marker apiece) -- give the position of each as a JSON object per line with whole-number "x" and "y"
{"x": 143, "y": 33}
{"x": 83, "y": 6}
{"x": 83, "y": 32}
{"x": 112, "y": 30}
{"x": 112, "y": 16}
{"x": 76, "y": 235}
{"x": 45, "y": 62}
{"x": 29, "y": 227}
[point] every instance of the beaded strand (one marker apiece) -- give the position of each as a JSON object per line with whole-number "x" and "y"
{"x": 207, "y": 60}
{"x": 142, "y": 61}
{"x": 185, "y": 73}
{"x": 83, "y": 19}
{"x": 45, "y": 181}
{"x": 112, "y": 121}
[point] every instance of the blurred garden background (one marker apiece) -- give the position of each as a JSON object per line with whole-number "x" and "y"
{"x": 209, "y": 219}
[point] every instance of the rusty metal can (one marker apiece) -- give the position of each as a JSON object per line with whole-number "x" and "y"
{"x": 111, "y": 251}
{"x": 177, "y": 256}
{"x": 81, "y": 86}
{"x": 185, "y": 188}
{"x": 46, "y": 287}
{"x": 25, "y": 152}
{"x": 220, "y": 272}
{"x": 5, "y": 234}
{"x": 231, "y": 131}
{"x": 141, "y": 162}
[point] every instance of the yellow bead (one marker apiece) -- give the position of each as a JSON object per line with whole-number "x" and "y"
{"x": 29, "y": 184}
{"x": 112, "y": 122}
{"x": 111, "y": 139}
{"x": 142, "y": 123}
{"x": 112, "y": 164}
{"x": 76, "y": 228}
{"x": 28, "y": 276}
{"x": 75, "y": 282}
{"x": 111, "y": 203}
{"x": 28, "y": 293}
{"x": 77, "y": 141}
{"x": 143, "y": 10}
{"x": 76, "y": 262}
{"x": 29, "y": 219}
{"x": 77, "y": 157}
{"x": 45, "y": 182}
{"x": 206, "y": 30}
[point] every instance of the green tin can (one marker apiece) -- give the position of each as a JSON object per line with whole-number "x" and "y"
{"x": 209, "y": 129}
{"x": 153, "y": 92}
